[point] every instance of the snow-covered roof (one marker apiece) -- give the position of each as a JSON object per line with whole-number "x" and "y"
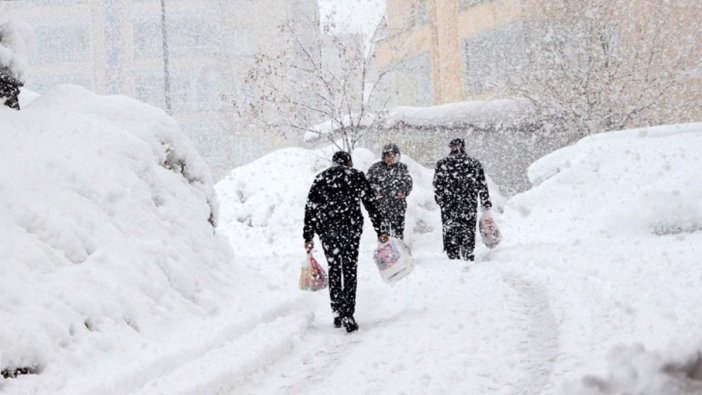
{"x": 481, "y": 114}
{"x": 503, "y": 111}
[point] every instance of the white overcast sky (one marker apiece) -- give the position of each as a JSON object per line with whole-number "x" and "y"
{"x": 356, "y": 15}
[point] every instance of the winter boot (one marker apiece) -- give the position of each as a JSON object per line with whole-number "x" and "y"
{"x": 337, "y": 322}
{"x": 350, "y": 324}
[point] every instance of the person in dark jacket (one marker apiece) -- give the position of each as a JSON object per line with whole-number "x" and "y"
{"x": 392, "y": 184}
{"x": 458, "y": 182}
{"x": 333, "y": 211}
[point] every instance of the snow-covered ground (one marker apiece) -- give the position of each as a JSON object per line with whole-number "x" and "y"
{"x": 600, "y": 265}
{"x": 114, "y": 282}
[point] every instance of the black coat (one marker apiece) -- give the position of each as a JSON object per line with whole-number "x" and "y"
{"x": 333, "y": 204}
{"x": 387, "y": 181}
{"x": 458, "y": 182}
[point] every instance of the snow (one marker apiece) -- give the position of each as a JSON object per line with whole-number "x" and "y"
{"x": 16, "y": 37}
{"x": 599, "y": 265}
{"x": 507, "y": 112}
{"x": 114, "y": 281}
{"x": 104, "y": 249}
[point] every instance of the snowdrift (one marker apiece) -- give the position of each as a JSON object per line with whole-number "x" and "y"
{"x": 613, "y": 230}
{"x": 107, "y": 214}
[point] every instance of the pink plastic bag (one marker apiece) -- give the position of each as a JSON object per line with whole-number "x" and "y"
{"x": 312, "y": 275}
{"x": 489, "y": 231}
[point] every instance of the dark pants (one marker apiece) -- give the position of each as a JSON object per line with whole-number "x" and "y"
{"x": 394, "y": 214}
{"x": 396, "y": 225}
{"x": 459, "y": 239}
{"x": 341, "y": 251}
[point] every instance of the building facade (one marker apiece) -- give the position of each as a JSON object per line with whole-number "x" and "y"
{"x": 443, "y": 51}
{"x": 117, "y": 47}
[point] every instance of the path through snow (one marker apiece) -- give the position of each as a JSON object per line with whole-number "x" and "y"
{"x": 439, "y": 314}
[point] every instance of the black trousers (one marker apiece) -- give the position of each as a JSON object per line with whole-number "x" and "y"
{"x": 341, "y": 250}
{"x": 394, "y": 214}
{"x": 459, "y": 239}
{"x": 396, "y": 225}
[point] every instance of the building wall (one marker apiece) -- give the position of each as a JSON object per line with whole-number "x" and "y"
{"x": 441, "y": 34}
{"x": 459, "y": 34}
{"x": 116, "y": 48}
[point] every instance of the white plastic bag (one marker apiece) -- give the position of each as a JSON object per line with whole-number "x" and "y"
{"x": 394, "y": 260}
{"x": 312, "y": 275}
{"x": 489, "y": 231}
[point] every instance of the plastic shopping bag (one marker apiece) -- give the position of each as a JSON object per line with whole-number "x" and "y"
{"x": 489, "y": 231}
{"x": 312, "y": 275}
{"x": 394, "y": 260}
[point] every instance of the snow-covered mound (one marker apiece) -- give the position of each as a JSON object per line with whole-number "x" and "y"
{"x": 264, "y": 201}
{"x": 106, "y": 216}
{"x": 614, "y": 232}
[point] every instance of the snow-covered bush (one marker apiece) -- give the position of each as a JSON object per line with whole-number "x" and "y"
{"x": 106, "y": 245}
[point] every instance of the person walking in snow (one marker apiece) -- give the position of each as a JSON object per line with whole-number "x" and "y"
{"x": 333, "y": 211}
{"x": 458, "y": 182}
{"x": 392, "y": 184}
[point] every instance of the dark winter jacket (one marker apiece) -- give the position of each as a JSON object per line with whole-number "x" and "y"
{"x": 458, "y": 181}
{"x": 387, "y": 181}
{"x": 333, "y": 204}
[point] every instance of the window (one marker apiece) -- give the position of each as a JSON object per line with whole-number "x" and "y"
{"x": 418, "y": 14}
{"x": 196, "y": 91}
{"x": 61, "y": 44}
{"x": 192, "y": 90}
{"x": 43, "y": 83}
{"x": 470, "y": 3}
{"x": 243, "y": 42}
{"x": 149, "y": 88}
{"x": 148, "y": 41}
{"x": 492, "y": 57}
{"x": 186, "y": 36}
{"x": 412, "y": 83}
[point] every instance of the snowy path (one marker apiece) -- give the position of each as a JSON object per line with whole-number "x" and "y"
{"x": 420, "y": 320}
{"x": 448, "y": 328}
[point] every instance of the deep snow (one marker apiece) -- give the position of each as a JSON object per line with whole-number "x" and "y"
{"x": 114, "y": 281}
{"x": 599, "y": 265}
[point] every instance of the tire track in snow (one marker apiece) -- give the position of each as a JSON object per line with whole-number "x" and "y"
{"x": 540, "y": 347}
{"x": 310, "y": 362}
{"x": 142, "y": 375}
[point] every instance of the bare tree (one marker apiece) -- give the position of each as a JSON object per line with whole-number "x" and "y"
{"x": 322, "y": 86}
{"x": 600, "y": 65}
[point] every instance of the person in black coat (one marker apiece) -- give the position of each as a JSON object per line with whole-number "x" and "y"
{"x": 458, "y": 182}
{"x": 333, "y": 211}
{"x": 392, "y": 184}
